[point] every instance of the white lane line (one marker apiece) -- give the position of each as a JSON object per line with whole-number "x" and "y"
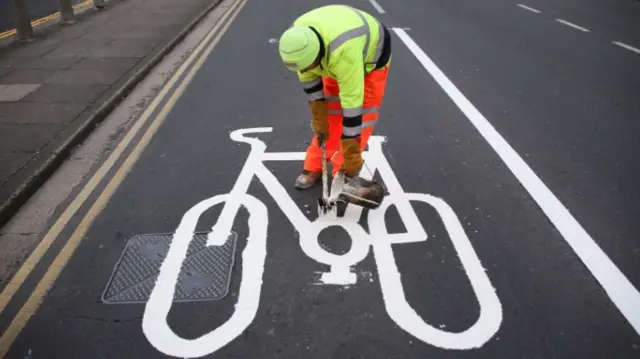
{"x": 577, "y": 27}
{"x": 377, "y": 6}
{"x": 621, "y": 292}
{"x": 628, "y": 47}
{"x": 529, "y": 8}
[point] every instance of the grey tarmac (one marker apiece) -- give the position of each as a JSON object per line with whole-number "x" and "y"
{"x": 564, "y": 99}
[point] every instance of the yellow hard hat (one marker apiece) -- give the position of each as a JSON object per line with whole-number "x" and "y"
{"x": 299, "y": 47}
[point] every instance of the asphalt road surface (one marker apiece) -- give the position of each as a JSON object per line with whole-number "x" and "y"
{"x": 520, "y": 130}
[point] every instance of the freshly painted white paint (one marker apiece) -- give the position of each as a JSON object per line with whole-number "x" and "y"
{"x": 16, "y": 92}
{"x": 165, "y": 340}
{"x": 621, "y": 292}
{"x": 401, "y": 311}
{"x": 223, "y": 226}
{"x": 529, "y": 8}
{"x": 283, "y": 156}
{"x": 626, "y": 46}
{"x": 154, "y": 321}
{"x": 570, "y": 24}
{"x": 377, "y": 6}
{"x": 395, "y": 301}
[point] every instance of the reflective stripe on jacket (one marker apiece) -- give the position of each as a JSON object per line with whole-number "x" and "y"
{"x": 352, "y": 43}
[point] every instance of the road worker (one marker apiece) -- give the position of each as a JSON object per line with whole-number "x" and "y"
{"x": 341, "y": 56}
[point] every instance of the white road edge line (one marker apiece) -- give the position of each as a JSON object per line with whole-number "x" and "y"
{"x": 577, "y": 27}
{"x": 628, "y": 47}
{"x": 377, "y": 6}
{"x": 621, "y": 292}
{"x": 529, "y": 8}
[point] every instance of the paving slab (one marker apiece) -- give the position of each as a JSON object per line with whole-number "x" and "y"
{"x": 66, "y": 93}
{"x": 26, "y": 77}
{"x": 4, "y": 69}
{"x": 10, "y": 162}
{"x": 119, "y": 50}
{"x": 11, "y": 93}
{"x": 30, "y": 113}
{"x": 38, "y": 64}
{"x": 138, "y": 43}
{"x": 26, "y": 138}
{"x": 52, "y": 88}
{"x": 77, "y": 49}
{"x": 31, "y": 52}
{"x": 106, "y": 63}
{"x": 84, "y": 77}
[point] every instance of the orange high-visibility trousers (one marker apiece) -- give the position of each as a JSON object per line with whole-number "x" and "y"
{"x": 374, "y": 88}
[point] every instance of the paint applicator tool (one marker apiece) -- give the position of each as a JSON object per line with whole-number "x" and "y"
{"x": 324, "y": 204}
{"x": 344, "y": 190}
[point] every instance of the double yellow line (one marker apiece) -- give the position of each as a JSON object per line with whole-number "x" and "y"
{"x": 42, "y": 20}
{"x": 190, "y": 67}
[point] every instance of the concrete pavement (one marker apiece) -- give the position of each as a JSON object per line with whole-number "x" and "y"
{"x": 37, "y": 9}
{"x": 54, "y": 90}
{"x": 530, "y": 206}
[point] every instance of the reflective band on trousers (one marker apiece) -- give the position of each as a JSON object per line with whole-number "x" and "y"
{"x": 367, "y": 124}
{"x": 364, "y": 111}
{"x": 318, "y": 95}
{"x": 351, "y": 131}
{"x": 354, "y": 131}
{"x": 352, "y": 112}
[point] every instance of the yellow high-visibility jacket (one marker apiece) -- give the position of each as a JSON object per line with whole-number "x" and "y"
{"x": 352, "y": 45}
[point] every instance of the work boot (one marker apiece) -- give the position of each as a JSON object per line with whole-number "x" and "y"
{"x": 307, "y": 179}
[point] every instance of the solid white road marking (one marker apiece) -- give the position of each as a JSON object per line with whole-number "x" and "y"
{"x": 621, "y": 292}
{"x": 529, "y": 8}
{"x": 570, "y": 24}
{"x": 628, "y": 47}
{"x": 154, "y": 321}
{"x": 164, "y": 339}
{"x": 377, "y": 6}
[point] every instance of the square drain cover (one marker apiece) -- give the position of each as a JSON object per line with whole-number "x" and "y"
{"x": 205, "y": 274}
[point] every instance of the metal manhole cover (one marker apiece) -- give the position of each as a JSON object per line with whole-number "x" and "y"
{"x": 205, "y": 275}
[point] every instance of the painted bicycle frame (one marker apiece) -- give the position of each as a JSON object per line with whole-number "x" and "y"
{"x": 164, "y": 339}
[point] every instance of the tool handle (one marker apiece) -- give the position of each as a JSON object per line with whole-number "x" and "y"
{"x": 325, "y": 189}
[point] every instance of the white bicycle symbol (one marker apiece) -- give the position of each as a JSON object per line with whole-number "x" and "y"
{"x": 164, "y": 339}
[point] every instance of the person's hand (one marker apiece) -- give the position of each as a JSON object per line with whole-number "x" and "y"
{"x": 320, "y": 120}
{"x": 352, "y": 156}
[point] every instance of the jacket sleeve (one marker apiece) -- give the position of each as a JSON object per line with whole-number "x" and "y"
{"x": 312, "y": 85}
{"x": 349, "y": 71}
